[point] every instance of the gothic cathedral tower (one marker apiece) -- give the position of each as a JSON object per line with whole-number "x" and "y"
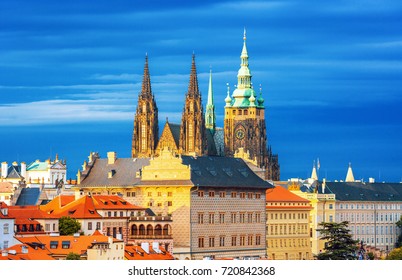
{"x": 244, "y": 123}
{"x": 192, "y": 129}
{"x": 145, "y": 133}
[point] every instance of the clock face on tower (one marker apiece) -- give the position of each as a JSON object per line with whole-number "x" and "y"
{"x": 239, "y": 133}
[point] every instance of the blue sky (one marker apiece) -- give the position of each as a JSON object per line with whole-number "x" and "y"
{"x": 70, "y": 73}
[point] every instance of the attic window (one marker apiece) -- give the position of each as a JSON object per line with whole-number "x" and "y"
{"x": 113, "y": 202}
{"x": 71, "y": 212}
{"x": 123, "y": 202}
{"x": 65, "y": 244}
{"x": 54, "y": 244}
{"x": 228, "y": 171}
{"x": 91, "y": 211}
{"x": 243, "y": 172}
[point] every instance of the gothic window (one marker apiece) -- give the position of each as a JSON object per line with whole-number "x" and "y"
{"x": 143, "y": 137}
{"x": 144, "y": 108}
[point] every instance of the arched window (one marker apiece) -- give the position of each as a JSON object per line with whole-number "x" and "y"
{"x": 149, "y": 230}
{"x": 142, "y": 230}
{"x": 134, "y": 230}
{"x": 166, "y": 230}
{"x": 158, "y": 230}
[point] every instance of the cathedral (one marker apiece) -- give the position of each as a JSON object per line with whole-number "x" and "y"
{"x": 243, "y": 135}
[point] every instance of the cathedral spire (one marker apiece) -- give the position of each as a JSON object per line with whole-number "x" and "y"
{"x": 210, "y": 108}
{"x": 146, "y": 80}
{"x": 193, "y": 84}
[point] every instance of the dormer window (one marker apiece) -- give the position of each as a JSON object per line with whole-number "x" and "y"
{"x": 65, "y": 244}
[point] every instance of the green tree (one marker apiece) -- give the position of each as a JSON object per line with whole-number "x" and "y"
{"x": 339, "y": 243}
{"x": 68, "y": 226}
{"x": 398, "y": 243}
{"x": 395, "y": 254}
{"x": 73, "y": 256}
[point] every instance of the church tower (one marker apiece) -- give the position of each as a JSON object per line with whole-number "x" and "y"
{"x": 192, "y": 133}
{"x": 145, "y": 132}
{"x": 244, "y": 123}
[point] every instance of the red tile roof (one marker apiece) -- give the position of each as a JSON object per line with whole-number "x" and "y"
{"x": 87, "y": 206}
{"x": 280, "y": 194}
{"x": 77, "y": 244}
{"x": 23, "y": 252}
{"x": 28, "y": 212}
{"x": 134, "y": 252}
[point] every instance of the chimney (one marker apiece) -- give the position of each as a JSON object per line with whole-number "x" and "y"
{"x": 323, "y": 185}
{"x": 145, "y": 247}
{"x": 4, "y": 169}
{"x": 24, "y": 249}
{"x": 23, "y": 170}
{"x": 111, "y": 173}
{"x": 111, "y": 157}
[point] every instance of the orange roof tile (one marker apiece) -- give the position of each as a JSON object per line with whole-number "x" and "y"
{"x": 27, "y": 212}
{"x": 280, "y": 194}
{"x": 134, "y": 252}
{"x": 57, "y": 202}
{"x": 17, "y": 252}
{"x": 77, "y": 244}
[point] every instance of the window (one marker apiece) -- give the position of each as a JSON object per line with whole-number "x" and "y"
{"x": 211, "y": 194}
{"x": 249, "y": 195}
{"x": 5, "y": 229}
{"x": 149, "y": 194}
{"x": 211, "y": 218}
{"x": 109, "y": 214}
{"x": 65, "y": 244}
{"x": 200, "y": 194}
{"x": 200, "y": 218}
{"x": 159, "y": 193}
{"x": 98, "y": 225}
{"x": 169, "y": 194}
{"x": 249, "y": 217}
{"x": 250, "y": 240}
{"x": 221, "y": 218}
{"x": 121, "y": 214}
{"x": 242, "y": 218}
{"x": 89, "y": 225}
{"x": 222, "y": 194}
{"x": 5, "y": 244}
{"x": 54, "y": 244}
{"x": 233, "y": 217}
{"x": 212, "y": 242}
{"x": 170, "y": 203}
{"x": 242, "y": 195}
{"x": 200, "y": 242}
{"x": 258, "y": 217}
{"x": 242, "y": 240}
{"x": 257, "y": 195}
{"x": 258, "y": 240}
{"x": 222, "y": 241}
{"x": 233, "y": 195}
{"x": 234, "y": 240}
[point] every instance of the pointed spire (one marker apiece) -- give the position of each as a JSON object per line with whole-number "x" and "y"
{"x": 314, "y": 173}
{"x": 146, "y": 81}
{"x": 349, "y": 175}
{"x": 228, "y": 99}
{"x": 244, "y": 75}
{"x": 193, "y": 84}
{"x": 210, "y": 108}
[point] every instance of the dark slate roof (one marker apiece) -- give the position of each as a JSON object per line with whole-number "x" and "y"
{"x": 14, "y": 172}
{"x": 28, "y": 196}
{"x": 358, "y": 191}
{"x": 125, "y": 172}
{"x": 211, "y": 143}
{"x": 206, "y": 171}
{"x": 175, "y": 128}
{"x": 223, "y": 172}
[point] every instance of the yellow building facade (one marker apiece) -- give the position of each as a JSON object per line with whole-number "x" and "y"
{"x": 323, "y": 210}
{"x": 287, "y": 225}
